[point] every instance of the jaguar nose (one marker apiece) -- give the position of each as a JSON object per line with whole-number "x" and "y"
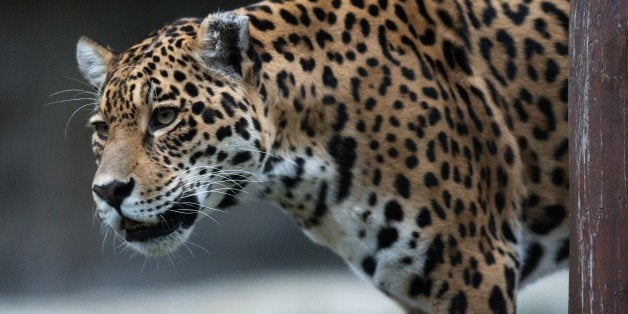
{"x": 115, "y": 192}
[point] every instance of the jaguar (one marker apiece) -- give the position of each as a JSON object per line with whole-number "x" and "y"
{"x": 423, "y": 141}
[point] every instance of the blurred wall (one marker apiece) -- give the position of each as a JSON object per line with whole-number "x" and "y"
{"x": 51, "y": 241}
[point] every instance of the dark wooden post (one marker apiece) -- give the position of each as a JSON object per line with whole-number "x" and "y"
{"x": 598, "y": 140}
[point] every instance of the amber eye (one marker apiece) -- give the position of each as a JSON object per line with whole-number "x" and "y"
{"x": 163, "y": 117}
{"x": 101, "y": 129}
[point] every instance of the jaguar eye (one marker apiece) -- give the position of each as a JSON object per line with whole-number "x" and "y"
{"x": 163, "y": 117}
{"x": 101, "y": 129}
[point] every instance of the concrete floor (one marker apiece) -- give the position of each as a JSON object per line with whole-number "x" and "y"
{"x": 295, "y": 292}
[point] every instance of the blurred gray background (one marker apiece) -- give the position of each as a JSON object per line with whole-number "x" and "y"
{"x": 52, "y": 254}
{"x": 50, "y": 241}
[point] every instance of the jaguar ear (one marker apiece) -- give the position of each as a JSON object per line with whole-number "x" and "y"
{"x": 93, "y": 60}
{"x": 225, "y": 45}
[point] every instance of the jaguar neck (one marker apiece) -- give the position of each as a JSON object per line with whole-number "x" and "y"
{"x": 308, "y": 143}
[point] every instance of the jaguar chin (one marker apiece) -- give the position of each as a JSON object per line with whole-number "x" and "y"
{"x": 162, "y": 233}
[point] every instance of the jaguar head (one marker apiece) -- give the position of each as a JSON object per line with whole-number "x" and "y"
{"x": 176, "y": 132}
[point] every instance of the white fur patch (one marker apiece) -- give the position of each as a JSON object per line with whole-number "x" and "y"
{"x": 91, "y": 62}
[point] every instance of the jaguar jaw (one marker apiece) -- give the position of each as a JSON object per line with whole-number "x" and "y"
{"x": 176, "y": 217}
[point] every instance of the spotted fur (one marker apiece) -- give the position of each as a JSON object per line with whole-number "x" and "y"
{"x": 425, "y": 142}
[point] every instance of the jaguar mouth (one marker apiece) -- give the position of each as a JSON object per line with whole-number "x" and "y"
{"x": 177, "y": 217}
